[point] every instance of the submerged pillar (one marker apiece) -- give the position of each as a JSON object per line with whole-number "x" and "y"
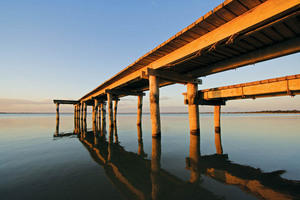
{"x": 110, "y": 111}
{"x": 115, "y": 110}
{"x": 154, "y": 105}
{"x": 192, "y": 90}
{"x": 217, "y": 120}
{"x": 139, "y": 110}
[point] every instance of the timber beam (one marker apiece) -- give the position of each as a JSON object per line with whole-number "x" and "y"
{"x": 172, "y": 76}
{"x": 204, "y": 102}
{"x": 267, "y": 53}
{"x": 73, "y": 102}
{"x": 124, "y": 93}
{"x": 282, "y": 86}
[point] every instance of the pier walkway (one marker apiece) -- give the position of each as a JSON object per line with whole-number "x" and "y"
{"x": 236, "y": 33}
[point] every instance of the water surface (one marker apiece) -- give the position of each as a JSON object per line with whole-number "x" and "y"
{"x": 260, "y": 158}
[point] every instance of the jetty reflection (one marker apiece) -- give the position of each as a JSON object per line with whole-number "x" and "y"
{"x": 139, "y": 178}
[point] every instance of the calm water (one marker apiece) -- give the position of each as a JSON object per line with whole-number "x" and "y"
{"x": 260, "y": 159}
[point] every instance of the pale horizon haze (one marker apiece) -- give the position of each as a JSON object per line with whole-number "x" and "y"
{"x": 64, "y": 49}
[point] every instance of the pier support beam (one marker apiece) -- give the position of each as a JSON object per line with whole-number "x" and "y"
{"x": 57, "y": 111}
{"x": 75, "y": 113}
{"x": 84, "y": 110}
{"x": 95, "y": 108}
{"x": 94, "y": 116}
{"x": 218, "y": 143}
{"x": 115, "y": 110}
{"x": 103, "y": 129}
{"x": 192, "y": 90}
{"x": 78, "y": 111}
{"x": 110, "y": 111}
{"x": 139, "y": 110}
{"x": 99, "y": 114}
{"x": 154, "y": 105}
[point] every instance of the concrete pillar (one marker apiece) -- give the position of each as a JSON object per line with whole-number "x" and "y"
{"x": 57, "y": 111}
{"x": 115, "y": 110}
{"x": 139, "y": 110}
{"x": 154, "y": 105}
{"x": 110, "y": 111}
{"x": 217, "y": 120}
{"x": 194, "y": 157}
{"x": 156, "y": 168}
{"x": 192, "y": 90}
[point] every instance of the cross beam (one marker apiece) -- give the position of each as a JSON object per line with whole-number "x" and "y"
{"x": 173, "y": 76}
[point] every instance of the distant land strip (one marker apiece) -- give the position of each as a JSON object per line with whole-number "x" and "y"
{"x": 238, "y": 112}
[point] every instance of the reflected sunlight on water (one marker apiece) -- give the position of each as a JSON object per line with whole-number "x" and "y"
{"x": 260, "y": 158}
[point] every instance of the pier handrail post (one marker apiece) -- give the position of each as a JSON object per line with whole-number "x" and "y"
{"x": 154, "y": 105}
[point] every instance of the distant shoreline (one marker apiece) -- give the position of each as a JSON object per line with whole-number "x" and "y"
{"x": 248, "y": 112}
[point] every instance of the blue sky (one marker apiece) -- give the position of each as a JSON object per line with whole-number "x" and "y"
{"x": 62, "y": 49}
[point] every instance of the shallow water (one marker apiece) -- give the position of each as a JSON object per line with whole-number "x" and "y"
{"x": 260, "y": 158}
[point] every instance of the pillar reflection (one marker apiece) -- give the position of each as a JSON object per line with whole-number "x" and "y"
{"x": 194, "y": 158}
{"x": 57, "y": 127}
{"x": 156, "y": 168}
{"x": 84, "y": 128}
{"x": 217, "y": 112}
{"x": 110, "y": 144}
{"x": 116, "y": 133}
{"x": 140, "y": 141}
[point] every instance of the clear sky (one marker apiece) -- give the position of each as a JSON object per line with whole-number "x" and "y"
{"x": 62, "y": 49}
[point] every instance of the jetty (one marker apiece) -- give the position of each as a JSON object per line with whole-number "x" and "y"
{"x": 235, "y": 34}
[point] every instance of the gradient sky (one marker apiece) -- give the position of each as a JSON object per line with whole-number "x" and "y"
{"x": 62, "y": 49}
